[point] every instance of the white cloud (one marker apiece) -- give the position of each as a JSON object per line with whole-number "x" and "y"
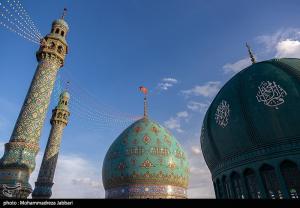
{"x": 75, "y": 177}
{"x": 285, "y": 43}
{"x": 166, "y": 83}
{"x": 288, "y": 49}
{"x": 197, "y": 106}
{"x": 2, "y": 148}
{"x": 209, "y": 89}
{"x": 87, "y": 181}
{"x": 271, "y": 41}
{"x": 174, "y": 123}
{"x": 196, "y": 150}
{"x": 200, "y": 183}
{"x": 170, "y": 80}
{"x": 182, "y": 114}
{"x": 164, "y": 86}
{"x": 236, "y": 66}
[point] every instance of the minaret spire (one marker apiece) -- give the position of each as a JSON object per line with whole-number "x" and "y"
{"x": 64, "y": 13}
{"x": 250, "y": 54}
{"x": 144, "y": 90}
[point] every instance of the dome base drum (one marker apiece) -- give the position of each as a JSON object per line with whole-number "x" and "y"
{"x": 146, "y": 192}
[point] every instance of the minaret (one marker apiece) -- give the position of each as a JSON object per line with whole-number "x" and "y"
{"x": 58, "y": 121}
{"x": 18, "y": 160}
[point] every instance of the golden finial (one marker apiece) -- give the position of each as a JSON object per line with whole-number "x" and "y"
{"x": 250, "y": 54}
{"x": 64, "y": 13}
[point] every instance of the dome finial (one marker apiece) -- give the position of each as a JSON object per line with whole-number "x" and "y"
{"x": 64, "y": 13}
{"x": 250, "y": 54}
{"x": 144, "y": 90}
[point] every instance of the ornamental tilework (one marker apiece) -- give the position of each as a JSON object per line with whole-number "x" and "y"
{"x": 162, "y": 160}
{"x": 54, "y": 141}
{"x": 147, "y": 164}
{"x": 146, "y": 139}
{"x": 20, "y": 152}
{"x": 47, "y": 170}
{"x": 146, "y": 191}
{"x": 24, "y": 142}
{"x": 31, "y": 118}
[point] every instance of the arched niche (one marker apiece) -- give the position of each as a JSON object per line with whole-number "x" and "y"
{"x": 252, "y": 184}
{"x": 270, "y": 181}
{"x": 291, "y": 175}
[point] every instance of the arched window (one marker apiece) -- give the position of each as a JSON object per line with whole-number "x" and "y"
{"x": 57, "y": 31}
{"x": 271, "y": 182}
{"x": 237, "y": 186}
{"x": 291, "y": 175}
{"x": 52, "y": 45}
{"x": 220, "y": 189}
{"x": 60, "y": 49}
{"x": 59, "y": 115}
{"x": 252, "y": 184}
{"x": 62, "y": 33}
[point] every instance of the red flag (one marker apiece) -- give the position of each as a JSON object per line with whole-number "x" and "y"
{"x": 143, "y": 90}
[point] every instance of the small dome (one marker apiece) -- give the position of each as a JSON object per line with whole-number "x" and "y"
{"x": 65, "y": 94}
{"x": 254, "y": 116}
{"x": 61, "y": 22}
{"x": 145, "y": 161}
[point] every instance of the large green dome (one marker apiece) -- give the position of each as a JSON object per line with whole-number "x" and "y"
{"x": 254, "y": 117}
{"x": 145, "y": 161}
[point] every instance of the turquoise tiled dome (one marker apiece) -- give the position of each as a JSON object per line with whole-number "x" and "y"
{"x": 145, "y": 156}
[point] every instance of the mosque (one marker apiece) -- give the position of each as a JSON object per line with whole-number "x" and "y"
{"x": 145, "y": 161}
{"x": 249, "y": 137}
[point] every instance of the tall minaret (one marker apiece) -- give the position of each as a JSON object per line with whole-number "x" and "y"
{"x": 18, "y": 160}
{"x": 58, "y": 121}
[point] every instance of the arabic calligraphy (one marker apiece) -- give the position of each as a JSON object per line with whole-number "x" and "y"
{"x": 222, "y": 114}
{"x": 271, "y": 94}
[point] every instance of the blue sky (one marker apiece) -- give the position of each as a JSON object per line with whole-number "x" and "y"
{"x": 183, "y": 51}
